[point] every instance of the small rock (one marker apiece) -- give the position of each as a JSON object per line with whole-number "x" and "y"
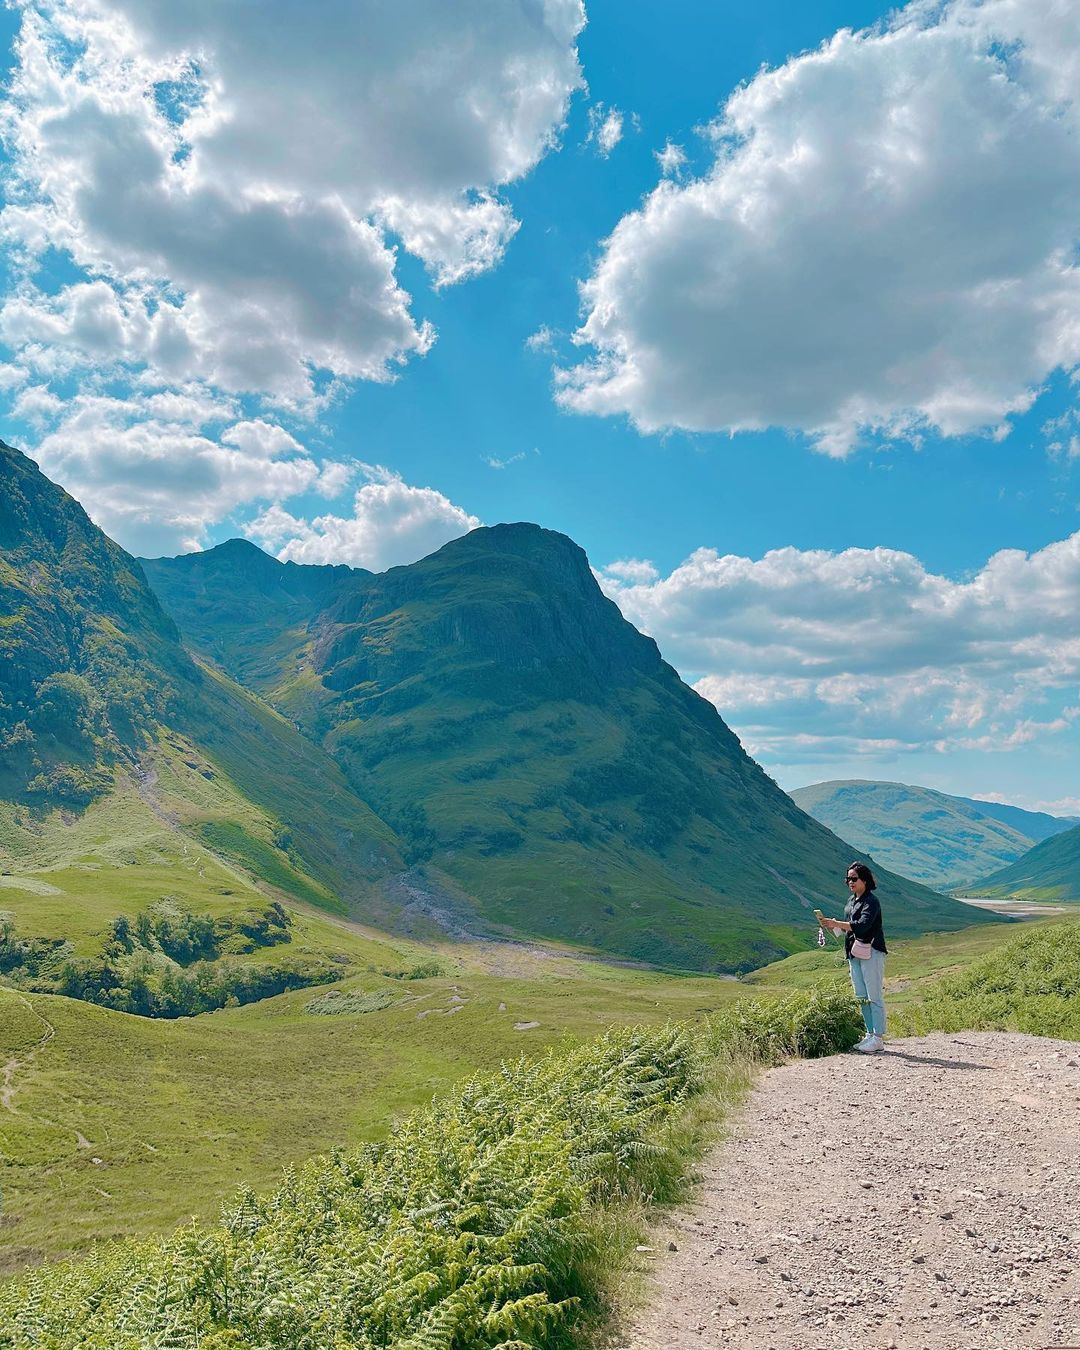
{"x": 761, "y": 1260}
{"x": 644, "y": 1249}
{"x": 672, "y": 1247}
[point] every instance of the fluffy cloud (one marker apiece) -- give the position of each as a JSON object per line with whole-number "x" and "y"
{"x": 543, "y": 340}
{"x": 232, "y": 191}
{"x": 672, "y": 160}
{"x": 886, "y": 241}
{"x": 605, "y": 129}
{"x": 152, "y": 477}
{"x": 822, "y": 655}
{"x": 228, "y": 187}
{"x": 392, "y": 523}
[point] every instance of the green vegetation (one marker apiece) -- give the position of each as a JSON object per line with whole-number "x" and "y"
{"x": 940, "y": 840}
{"x": 166, "y": 961}
{"x": 88, "y": 660}
{"x": 474, "y": 1225}
{"x": 1050, "y": 871}
{"x": 120, "y": 907}
{"x": 1030, "y": 984}
{"x": 336, "y": 1003}
{"x": 181, "y": 1111}
{"x": 98, "y": 695}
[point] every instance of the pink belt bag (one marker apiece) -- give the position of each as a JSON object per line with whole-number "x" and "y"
{"x": 861, "y": 951}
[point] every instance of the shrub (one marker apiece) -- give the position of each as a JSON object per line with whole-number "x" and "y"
{"x": 806, "y": 1024}
{"x": 336, "y": 1001}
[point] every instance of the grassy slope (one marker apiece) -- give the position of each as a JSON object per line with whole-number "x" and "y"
{"x": 246, "y": 612}
{"x": 928, "y": 835}
{"x": 1050, "y": 871}
{"x": 75, "y": 608}
{"x": 180, "y": 1112}
{"x": 320, "y": 824}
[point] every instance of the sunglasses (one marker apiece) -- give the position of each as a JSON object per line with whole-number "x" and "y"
{"x": 849, "y": 880}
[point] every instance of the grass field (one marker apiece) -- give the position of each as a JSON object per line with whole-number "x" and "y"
{"x": 178, "y": 1113}
{"x": 129, "y": 1125}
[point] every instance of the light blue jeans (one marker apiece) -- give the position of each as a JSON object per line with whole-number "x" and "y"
{"x": 868, "y": 981}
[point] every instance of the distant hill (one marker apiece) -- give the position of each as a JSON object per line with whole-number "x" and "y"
{"x": 1049, "y": 871}
{"x": 1034, "y": 825}
{"x": 528, "y": 743}
{"x": 938, "y": 839}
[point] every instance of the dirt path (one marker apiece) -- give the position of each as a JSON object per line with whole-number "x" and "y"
{"x": 961, "y": 1229}
{"x": 23, "y": 1061}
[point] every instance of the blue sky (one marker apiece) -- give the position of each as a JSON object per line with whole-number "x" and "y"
{"x": 843, "y": 322}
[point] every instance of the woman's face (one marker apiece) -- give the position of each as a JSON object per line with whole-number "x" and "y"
{"x": 856, "y": 885}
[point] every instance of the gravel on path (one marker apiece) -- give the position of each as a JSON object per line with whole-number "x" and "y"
{"x": 926, "y": 1197}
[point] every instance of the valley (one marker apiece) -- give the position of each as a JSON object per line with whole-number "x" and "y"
{"x": 286, "y": 851}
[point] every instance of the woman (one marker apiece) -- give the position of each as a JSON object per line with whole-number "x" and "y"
{"x": 862, "y": 926}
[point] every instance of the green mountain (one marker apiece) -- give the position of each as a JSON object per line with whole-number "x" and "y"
{"x": 527, "y": 742}
{"x": 140, "y": 774}
{"x": 245, "y": 611}
{"x": 1049, "y": 871}
{"x": 938, "y": 839}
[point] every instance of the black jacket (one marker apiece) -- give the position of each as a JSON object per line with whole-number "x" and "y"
{"x": 864, "y": 915}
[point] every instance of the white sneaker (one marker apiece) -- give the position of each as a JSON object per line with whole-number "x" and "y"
{"x": 870, "y": 1045}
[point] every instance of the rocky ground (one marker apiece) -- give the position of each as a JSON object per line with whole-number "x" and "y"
{"x": 929, "y": 1197}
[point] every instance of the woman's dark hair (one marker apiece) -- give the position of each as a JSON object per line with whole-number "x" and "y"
{"x": 864, "y": 874}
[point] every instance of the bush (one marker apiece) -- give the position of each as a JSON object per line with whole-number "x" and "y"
{"x": 336, "y": 1001}
{"x": 466, "y": 1229}
{"x": 803, "y": 1024}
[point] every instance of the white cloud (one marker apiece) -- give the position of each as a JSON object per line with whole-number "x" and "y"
{"x": 11, "y": 377}
{"x": 633, "y": 571}
{"x": 493, "y": 461}
{"x": 37, "y": 405}
{"x": 228, "y": 186}
{"x": 1059, "y": 806}
{"x": 672, "y": 160}
{"x": 149, "y": 475}
{"x": 392, "y": 523}
{"x": 605, "y": 129}
{"x": 886, "y": 241}
{"x": 812, "y": 654}
{"x": 233, "y": 195}
{"x": 543, "y": 340}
